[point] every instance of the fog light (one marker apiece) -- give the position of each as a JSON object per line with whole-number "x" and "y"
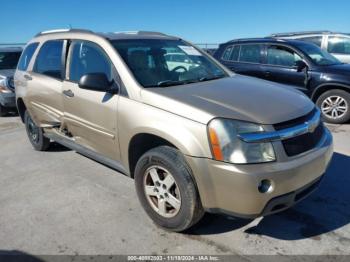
{"x": 265, "y": 186}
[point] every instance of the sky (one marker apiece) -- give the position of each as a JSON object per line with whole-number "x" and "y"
{"x": 211, "y": 21}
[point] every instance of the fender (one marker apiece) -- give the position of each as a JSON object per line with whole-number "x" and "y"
{"x": 333, "y": 84}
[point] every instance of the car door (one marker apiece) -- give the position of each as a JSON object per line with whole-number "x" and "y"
{"x": 44, "y": 84}
{"x": 244, "y": 59}
{"x": 90, "y": 117}
{"x": 280, "y": 66}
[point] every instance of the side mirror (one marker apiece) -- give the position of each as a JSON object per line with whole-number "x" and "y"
{"x": 300, "y": 65}
{"x": 96, "y": 82}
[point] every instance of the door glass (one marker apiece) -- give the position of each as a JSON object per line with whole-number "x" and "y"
{"x": 317, "y": 40}
{"x": 339, "y": 45}
{"x": 87, "y": 57}
{"x": 227, "y": 53}
{"x": 49, "y": 59}
{"x": 26, "y": 56}
{"x": 282, "y": 56}
{"x": 250, "y": 53}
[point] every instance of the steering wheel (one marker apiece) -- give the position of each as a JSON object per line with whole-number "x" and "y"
{"x": 178, "y": 68}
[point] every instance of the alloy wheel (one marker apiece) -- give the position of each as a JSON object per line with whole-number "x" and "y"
{"x": 334, "y": 107}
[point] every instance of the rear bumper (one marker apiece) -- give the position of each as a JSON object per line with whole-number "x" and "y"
{"x": 233, "y": 189}
{"x": 8, "y": 100}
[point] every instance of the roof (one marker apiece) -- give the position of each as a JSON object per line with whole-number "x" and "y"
{"x": 11, "y": 49}
{"x": 306, "y": 33}
{"x": 264, "y": 40}
{"x": 112, "y": 35}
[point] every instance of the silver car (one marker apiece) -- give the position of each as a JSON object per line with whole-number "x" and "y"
{"x": 337, "y": 44}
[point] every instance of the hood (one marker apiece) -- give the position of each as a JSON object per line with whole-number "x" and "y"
{"x": 336, "y": 69}
{"x": 7, "y": 72}
{"x": 237, "y": 97}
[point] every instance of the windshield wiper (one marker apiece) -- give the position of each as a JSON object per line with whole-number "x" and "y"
{"x": 211, "y": 78}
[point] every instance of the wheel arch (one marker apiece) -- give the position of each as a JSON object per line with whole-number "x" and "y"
{"x": 319, "y": 90}
{"x": 21, "y": 107}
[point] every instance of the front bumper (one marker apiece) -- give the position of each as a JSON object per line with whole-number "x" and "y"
{"x": 8, "y": 99}
{"x": 233, "y": 189}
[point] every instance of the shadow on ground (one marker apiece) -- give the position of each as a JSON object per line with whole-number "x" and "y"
{"x": 326, "y": 210}
{"x": 17, "y": 256}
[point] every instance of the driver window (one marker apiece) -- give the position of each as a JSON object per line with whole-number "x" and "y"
{"x": 282, "y": 56}
{"x": 87, "y": 57}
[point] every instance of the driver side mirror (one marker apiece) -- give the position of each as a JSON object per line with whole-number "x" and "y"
{"x": 300, "y": 65}
{"x": 97, "y": 82}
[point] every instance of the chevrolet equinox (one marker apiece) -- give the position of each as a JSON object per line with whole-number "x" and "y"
{"x": 194, "y": 136}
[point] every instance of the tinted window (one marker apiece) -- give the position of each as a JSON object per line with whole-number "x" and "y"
{"x": 227, "y": 53}
{"x": 250, "y": 53}
{"x": 282, "y": 56}
{"x": 339, "y": 45}
{"x": 317, "y": 40}
{"x": 87, "y": 57}
{"x": 26, "y": 56}
{"x": 9, "y": 60}
{"x": 49, "y": 59}
{"x": 235, "y": 53}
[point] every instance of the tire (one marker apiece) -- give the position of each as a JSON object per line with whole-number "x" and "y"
{"x": 3, "y": 111}
{"x": 167, "y": 160}
{"x": 328, "y": 104}
{"x": 35, "y": 134}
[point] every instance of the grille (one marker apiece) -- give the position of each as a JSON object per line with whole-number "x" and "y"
{"x": 300, "y": 144}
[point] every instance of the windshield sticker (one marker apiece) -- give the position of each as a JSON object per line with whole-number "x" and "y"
{"x": 190, "y": 50}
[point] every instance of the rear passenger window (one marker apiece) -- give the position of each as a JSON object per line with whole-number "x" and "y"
{"x": 49, "y": 59}
{"x": 250, "y": 53}
{"x": 227, "y": 53}
{"x": 231, "y": 53}
{"x": 282, "y": 56}
{"x": 26, "y": 56}
{"x": 87, "y": 57}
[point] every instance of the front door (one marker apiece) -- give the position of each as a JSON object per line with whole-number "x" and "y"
{"x": 280, "y": 66}
{"x": 90, "y": 117}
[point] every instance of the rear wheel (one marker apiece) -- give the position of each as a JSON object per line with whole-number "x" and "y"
{"x": 166, "y": 189}
{"x": 335, "y": 106}
{"x": 35, "y": 134}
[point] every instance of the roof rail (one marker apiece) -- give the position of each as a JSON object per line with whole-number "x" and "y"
{"x": 252, "y": 39}
{"x": 63, "y": 30}
{"x": 300, "y": 33}
{"x": 140, "y": 33}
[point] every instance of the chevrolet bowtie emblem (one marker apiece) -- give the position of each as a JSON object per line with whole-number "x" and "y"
{"x": 312, "y": 125}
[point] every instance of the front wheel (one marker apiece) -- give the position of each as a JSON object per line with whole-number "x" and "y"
{"x": 35, "y": 134}
{"x": 166, "y": 189}
{"x": 335, "y": 106}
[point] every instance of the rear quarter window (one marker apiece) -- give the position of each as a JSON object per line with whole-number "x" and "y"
{"x": 26, "y": 56}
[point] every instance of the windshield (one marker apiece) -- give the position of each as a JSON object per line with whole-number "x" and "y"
{"x": 9, "y": 60}
{"x": 160, "y": 63}
{"x": 318, "y": 56}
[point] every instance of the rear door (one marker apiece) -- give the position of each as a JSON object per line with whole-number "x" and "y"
{"x": 90, "y": 116}
{"x": 44, "y": 84}
{"x": 244, "y": 59}
{"x": 280, "y": 66}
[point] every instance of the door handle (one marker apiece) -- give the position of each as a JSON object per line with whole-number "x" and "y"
{"x": 68, "y": 93}
{"x": 27, "y": 77}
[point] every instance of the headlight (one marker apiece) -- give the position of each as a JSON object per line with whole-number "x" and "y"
{"x": 227, "y": 146}
{"x": 4, "y": 86}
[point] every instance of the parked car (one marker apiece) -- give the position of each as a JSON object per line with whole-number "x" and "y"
{"x": 180, "y": 61}
{"x": 337, "y": 44}
{"x": 299, "y": 64}
{"x": 198, "y": 140}
{"x": 8, "y": 61}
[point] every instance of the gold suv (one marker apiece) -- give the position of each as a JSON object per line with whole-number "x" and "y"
{"x": 194, "y": 136}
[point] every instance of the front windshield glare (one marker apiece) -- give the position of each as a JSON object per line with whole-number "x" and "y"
{"x": 160, "y": 63}
{"x": 319, "y": 56}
